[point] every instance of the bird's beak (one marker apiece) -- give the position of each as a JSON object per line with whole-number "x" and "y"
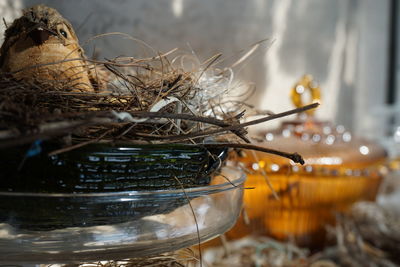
{"x": 40, "y": 34}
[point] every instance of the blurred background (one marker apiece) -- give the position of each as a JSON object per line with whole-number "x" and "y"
{"x": 349, "y": 46}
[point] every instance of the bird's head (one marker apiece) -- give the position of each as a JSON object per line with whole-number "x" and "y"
{"x": 41, "y": 23}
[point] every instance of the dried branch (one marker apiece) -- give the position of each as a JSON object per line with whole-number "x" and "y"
{"x": 293, "y": 156}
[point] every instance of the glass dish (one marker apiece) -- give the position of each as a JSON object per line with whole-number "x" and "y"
{"x": 340, "y": 169}
{"x": 98, "y": 168}
{"x": 216, "y": 208}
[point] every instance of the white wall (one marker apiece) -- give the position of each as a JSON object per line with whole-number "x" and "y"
{"x": 9, "y": 10}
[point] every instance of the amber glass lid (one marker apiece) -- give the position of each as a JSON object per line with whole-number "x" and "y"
{"x": 321, "y": 143}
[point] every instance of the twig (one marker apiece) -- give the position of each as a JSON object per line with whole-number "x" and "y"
{"x": 195, "y": 219}
{"x": 49, "y": 130}
{"x": 69, "y": 148}
{"x": 230, "y": 128}
{"x": 293, "y": 156}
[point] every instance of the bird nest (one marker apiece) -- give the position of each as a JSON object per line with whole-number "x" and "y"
{"x": 152, "y": 100}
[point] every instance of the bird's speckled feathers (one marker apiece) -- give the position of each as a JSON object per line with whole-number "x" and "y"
{"x": 40, "y": 37}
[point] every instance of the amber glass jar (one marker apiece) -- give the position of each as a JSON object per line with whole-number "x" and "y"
{"x": 300, "y": 201}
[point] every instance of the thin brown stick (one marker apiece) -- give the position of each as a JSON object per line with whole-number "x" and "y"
{"x": 93, "y": 121}
{"x": 282, "y": 114}
{"x": 230, "y": 128}
{"x": 146, "y": 114}
{"x": 195, "y": 220}
{"x": 293, "y": 156}
{"x": 209, "y": 62}
{"x": 267, "y": 181}
{"x": 48, "y": 131}
{"x": 69, "y": 148}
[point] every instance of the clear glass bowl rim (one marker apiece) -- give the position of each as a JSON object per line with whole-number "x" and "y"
{"x": 207, "y": 190}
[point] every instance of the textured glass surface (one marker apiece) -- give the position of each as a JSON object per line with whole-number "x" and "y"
{"x": 216, "y": 208}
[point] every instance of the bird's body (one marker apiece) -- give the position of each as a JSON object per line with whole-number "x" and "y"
{"x": 41, "y": 47}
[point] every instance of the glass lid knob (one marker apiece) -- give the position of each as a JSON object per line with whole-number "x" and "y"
{"x": 303, "y": 89}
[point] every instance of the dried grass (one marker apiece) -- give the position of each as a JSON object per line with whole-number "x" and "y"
{"x": 368, "y": 235}
{"x": 151, "y": 100}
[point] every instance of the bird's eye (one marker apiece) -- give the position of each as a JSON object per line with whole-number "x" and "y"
{"x": 63, "y": 33}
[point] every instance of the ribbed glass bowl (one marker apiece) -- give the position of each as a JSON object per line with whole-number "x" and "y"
{"x": 214, "y": 207}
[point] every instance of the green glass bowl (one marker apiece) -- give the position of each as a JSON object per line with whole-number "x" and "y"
{"x": 99, "y": 168}
{"x": 108, "y": 168}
